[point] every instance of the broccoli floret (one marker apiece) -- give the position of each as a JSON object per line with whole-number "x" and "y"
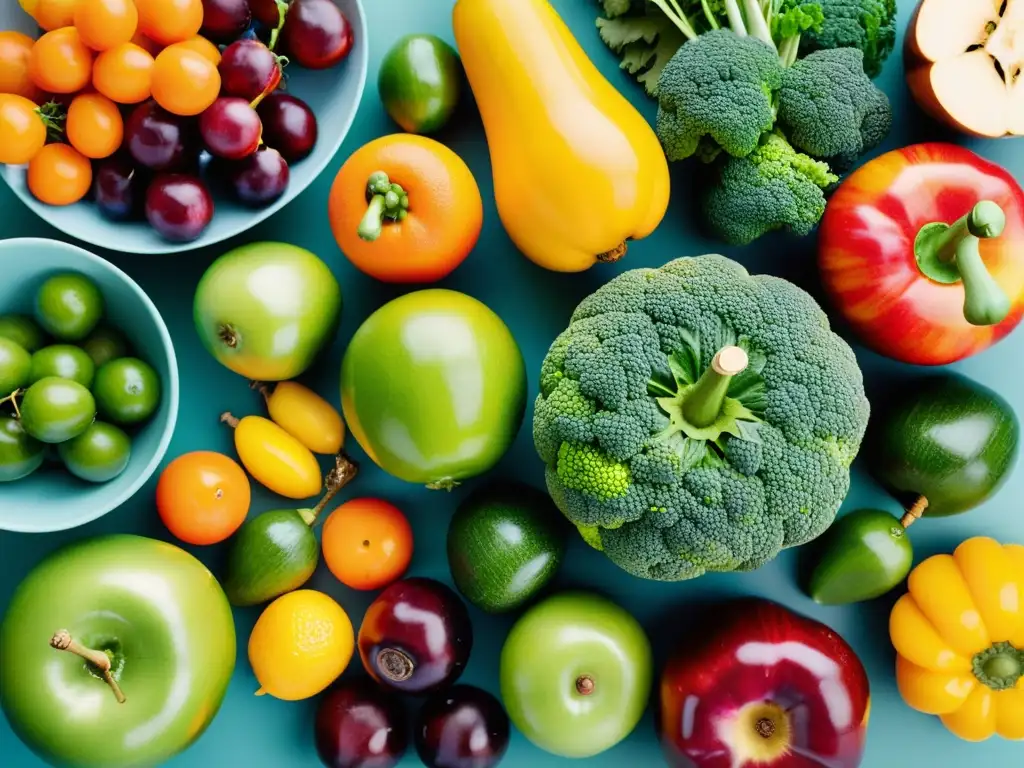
{"x": 775, "y": 187}
{"x": 869, "y": 25}
{"x": 719, "y": 86}
{"x": 770, "y": 472}
{"x": 830, "y": 109}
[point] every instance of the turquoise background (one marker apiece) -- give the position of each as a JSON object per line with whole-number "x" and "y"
{"x": 261, "y": 732}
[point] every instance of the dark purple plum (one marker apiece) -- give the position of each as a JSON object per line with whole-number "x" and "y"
{"x": 316, "y": 34}
{"x": 360, "y": 725}
{"x": 230, "y": 128}
{"x": 119, "y": 188}
{"x": 259, "y": 179}
{"x": 248, "y": 69}
{"x": 463, "y": 727}
{"x": 159, "y": 140}
{"x": 178, "y": 207}
{"x": 224, "y": 21}
{"x": 289, "y": 125}
{"x": 265, "y": 12}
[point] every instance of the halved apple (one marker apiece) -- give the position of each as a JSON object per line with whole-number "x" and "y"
{"x": 963, "y": 60}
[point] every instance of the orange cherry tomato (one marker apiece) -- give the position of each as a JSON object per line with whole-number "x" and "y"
{"x": 22, "y": 130}
{"x": 153, "y": 48}
{"x": 201, "y": 45}
{"x": 367, "y": 543}
{"x": 124, "y": 74}
{"x": 15, "y": 51}
{"x": 59, "y": 175}
{"x": 94, "y": 125}
{"x": 61, "y": 62}
{"x": 203, "y": 497}
{"x": 104, "y": 24}
{"x": 437, "y": 230}
{"x": 184, "y": 82}
{"x": 52, "y": 14}
{"x": 170, "y": 21}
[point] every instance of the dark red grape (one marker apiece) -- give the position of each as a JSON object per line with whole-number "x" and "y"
{"x": 260, "y": 178}
{"x": 179, "y": 207}
{"x": 463, "y": 727}
{"x": 359, "y": 725}
{"x": 265, "y": 12}
{"x": 316, "y": 34}
{"x": 289, "y": 125}
{"x": 160, "y": 141}
{"x": 230, "y": 128}
{"x": 225, "y": 20}
{"x": 118, "y": 188}
{"x": 248, "y": 69}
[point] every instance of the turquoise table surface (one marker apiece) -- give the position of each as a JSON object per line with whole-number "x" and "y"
{"x": 253, "y": 732}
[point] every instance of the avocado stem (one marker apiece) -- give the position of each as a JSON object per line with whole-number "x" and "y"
{"x": 915, "y": 512}
{"x": 949, "y": 253}
{"x": 584, "y": 685}
{"x": 63, "y": 641}
{"x": 385, "y": 200}
{"x": 227, "y": 418}
{"x": 344, "y": 471}
{"x": 704, "y": 401}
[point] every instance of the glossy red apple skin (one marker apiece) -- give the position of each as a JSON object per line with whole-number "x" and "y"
{"x": 751, "y": 651}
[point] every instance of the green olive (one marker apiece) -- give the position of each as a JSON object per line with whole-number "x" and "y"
{"x": 99, "y": 454}
{"x": 69, "y": 306}
{"x": 127, "y": 390}
{"x": 22, "y": 330}
{"x": 63, "y": 361}
{"x": 20, "y": 453}
{"x": 106, "y": 343}
{"x": 54, "y": 410}
{"x": 15, "y": 367}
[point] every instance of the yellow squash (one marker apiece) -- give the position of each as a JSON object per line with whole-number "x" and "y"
{"x": 578, "y": 171}
{"x": 306, "y": 416}
{"x": 278, "y": 461}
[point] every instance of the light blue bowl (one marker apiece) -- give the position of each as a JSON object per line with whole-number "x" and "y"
{"x": 52, "y": 499}
{"x": 333, "y": 94}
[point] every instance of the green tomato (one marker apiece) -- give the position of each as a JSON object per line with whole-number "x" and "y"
{"x": 15, "y": 367}
{"x": 22, "y": 330}
{"x": 420, "y": 82}
{"x": 127, "y": 390}
{"x": 69, "y": 306}
{"x": 162, "y": 619}
{"x": 63, "y": 361}
{"x": 20, "y": 453}
{"x": 106, "y": 343}
{"x": 54, "y": 410}
{"x": 576, "y": 672}
{"x": 433, "y": 387}
{"x": 265, "y": 310}
{"x": 99, "y": 454}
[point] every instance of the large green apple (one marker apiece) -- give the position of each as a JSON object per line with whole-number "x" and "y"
{"x": 576, "y": 672}
{"x": 265, "y": 310}
{"x": 150, "y": 610}
{"x": 433, "y": 387}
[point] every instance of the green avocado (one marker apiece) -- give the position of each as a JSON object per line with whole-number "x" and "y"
{"x": 505, "y": 543}
{"x": 945, "y": 440}
{"x": 862, "y": 556}
{"x": 271, "y": 554}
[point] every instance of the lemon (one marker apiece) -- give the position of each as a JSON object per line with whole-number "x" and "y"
{"x": 301, "y": 643}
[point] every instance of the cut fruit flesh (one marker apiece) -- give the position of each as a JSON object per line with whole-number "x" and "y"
{"x": 946, "y": 28}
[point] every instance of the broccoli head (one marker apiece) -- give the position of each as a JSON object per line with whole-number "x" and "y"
{"x": 869, "y": 25}
{"x": 718, "y": 87}
{"x": 696, "y": 418}
{"x": 775, "y": 187}
{"x": 830, "y": 109}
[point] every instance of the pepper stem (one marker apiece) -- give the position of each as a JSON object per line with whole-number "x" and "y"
{"x": 915, "y": 513}
{"x": 385, "y": 200}
{"x": 949, "y": 253}
{"x": 227, "y": 418}
{"x": 999, "y": 667}
{"x": 344, "y": 471}
{"x": 63, "y": 641}
{"x": 704, "y": 402}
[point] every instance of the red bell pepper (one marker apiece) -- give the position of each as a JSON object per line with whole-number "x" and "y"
{"x": 758, "y": 686}
{"x": 922, "y": 252}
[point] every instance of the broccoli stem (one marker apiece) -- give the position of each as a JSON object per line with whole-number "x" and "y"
{"x": 949, "y": 253}
{"x": 735, "y": 16}
{"x": 788, "y": 49}
{"x": 704, "y": 402}
{"x": 757, "y": 26}
{"x": 385, "y": 200}
{"x": 676, "y": 16}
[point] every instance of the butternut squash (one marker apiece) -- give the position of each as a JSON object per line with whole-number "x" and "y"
{"x": 577, "y": 170}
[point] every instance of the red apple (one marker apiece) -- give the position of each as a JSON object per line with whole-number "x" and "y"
{"x": 759, "y": 685}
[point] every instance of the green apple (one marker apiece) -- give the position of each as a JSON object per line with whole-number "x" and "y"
{"x": 265, "y": 310}
{"x": 141, "y": 650}
{"x": 576, "y": 672}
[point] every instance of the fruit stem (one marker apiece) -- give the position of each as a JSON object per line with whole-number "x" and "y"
{"x": 999, "y": 666}
{"x": 704, "y": 402}
{"x": 63, "y": 641}
{"x": 915, "y": 512}
{"x": 385, "y": 200}
{"x": 616, "y": 253}
{"x": 227, "y": 418}
{"x": 263, "y": 388}
{"x": 282, "y": 14}
{"x": 444, "y": 484}
{"x": 584, "y": 685}
{"x": 13, "y": 400}
{"x": 53, "y": 116}
{"x": 344, "y": 471}
{"x": 395, "y": 665}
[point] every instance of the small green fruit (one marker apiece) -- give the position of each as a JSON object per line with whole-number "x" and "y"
{"x": 54, "y": 410}
{"x": 127, "y": 390}
{"x": 63, "y": 361}
{"x": 15, "y": 367}
{"x": 23, "y": 331}
{"x": 273, "y": 553}
{"x": 99, "y": 454}
{"x": 420, "y": 82}
{"x": 20, "y": 453}
{"x": 69, "y": 306}
{"x": 106, "y": 343}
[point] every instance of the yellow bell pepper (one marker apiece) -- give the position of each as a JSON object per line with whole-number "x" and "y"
{"x": 274, "y": 458}
{"x": 959, "y": 639}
